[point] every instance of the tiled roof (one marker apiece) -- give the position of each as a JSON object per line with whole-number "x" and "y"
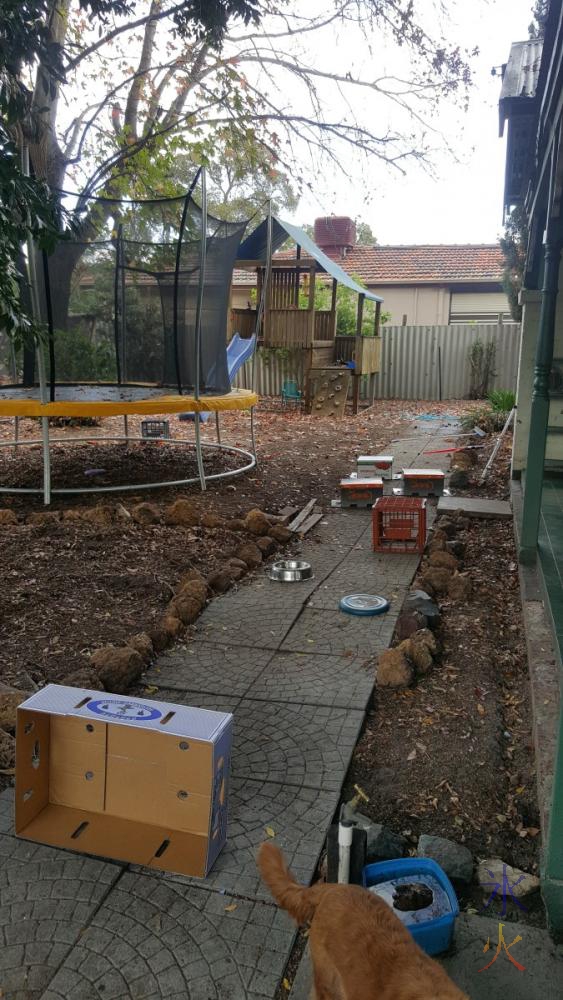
{"x": 407, "y": 265}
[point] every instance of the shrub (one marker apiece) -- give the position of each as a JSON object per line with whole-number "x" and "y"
{"x": 502, "y": 400}
{"x": 485, "y": 417}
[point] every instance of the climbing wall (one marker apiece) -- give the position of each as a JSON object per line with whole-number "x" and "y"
{"x": 327, "y": 389}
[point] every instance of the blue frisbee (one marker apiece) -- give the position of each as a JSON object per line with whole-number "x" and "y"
{"x": 364, "y": 604}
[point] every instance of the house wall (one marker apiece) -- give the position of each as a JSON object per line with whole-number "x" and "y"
{"x": 531, "y": 300}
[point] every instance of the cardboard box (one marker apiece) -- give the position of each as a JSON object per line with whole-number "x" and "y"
{"x": 125, "y": 778}
{"x": 375, "y": 465}
{"x": 356, "y": 492}
{"x": 423, "y": 482}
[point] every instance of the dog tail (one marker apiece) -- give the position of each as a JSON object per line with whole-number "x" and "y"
{"x": 300, "y": 901}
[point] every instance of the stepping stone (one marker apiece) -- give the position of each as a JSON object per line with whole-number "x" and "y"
{"x": 334, "y": 633}
{"x": 303, "y": 678}
{"x": 475, "y": 507}
{"x": 47, "y": 897}
{"x": 298, "y": 817}
{"x": 160, "y": 940}
{"x": 300, "y": 745}
{"x": 214, "y": 668}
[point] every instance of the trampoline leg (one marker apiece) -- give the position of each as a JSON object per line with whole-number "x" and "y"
{"x": 46, "y": 461}
{"x": 126, "y": 430}
{"x": 218, "y": 426}
{"x": 253, "y": 439}
{"x": 199, "y": 455}
{"x": 16, "y": 431}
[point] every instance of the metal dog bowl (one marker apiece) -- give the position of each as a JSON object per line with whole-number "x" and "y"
{"x": 291, "y": 570}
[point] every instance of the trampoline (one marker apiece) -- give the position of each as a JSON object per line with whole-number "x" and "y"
{"x": 135, "y": 324}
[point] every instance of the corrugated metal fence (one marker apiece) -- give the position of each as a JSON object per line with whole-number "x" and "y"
{"x": 412, "y": 360}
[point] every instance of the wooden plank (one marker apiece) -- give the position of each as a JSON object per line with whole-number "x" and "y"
{"x": 302, "y": 516}
{"x": 475, "y": 507}
{"x": 284, "y": 515}
{"x": 310, "y": 522}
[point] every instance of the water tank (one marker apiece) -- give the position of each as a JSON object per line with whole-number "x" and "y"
{"x": 335, "y": 232}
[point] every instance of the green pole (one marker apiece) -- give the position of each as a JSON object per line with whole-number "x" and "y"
{"x": 539, "y": 414}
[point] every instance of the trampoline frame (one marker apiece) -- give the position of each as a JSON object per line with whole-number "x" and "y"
{"x": 46, "y": 441}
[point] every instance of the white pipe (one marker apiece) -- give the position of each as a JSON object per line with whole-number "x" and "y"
{"x": 509, "y": 420}
{"x": 345, "y": 838}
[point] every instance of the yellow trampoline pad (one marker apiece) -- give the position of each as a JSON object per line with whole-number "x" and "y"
{"x": 119, "y": 400}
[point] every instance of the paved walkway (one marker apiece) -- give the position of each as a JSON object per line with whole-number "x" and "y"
{"x": 297, "y": 674}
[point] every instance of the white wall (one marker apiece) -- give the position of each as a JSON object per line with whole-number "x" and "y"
{"x": 530, "y": 331}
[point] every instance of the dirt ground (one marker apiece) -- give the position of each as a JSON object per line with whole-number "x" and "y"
{"x": 453, "y": 756}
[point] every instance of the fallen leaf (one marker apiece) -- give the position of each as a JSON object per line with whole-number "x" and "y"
{"x": 520, "y": 789}
{"x": 151, "y": 690}
{"x": 230, "y": 907}
{"x": 286, "y": 984}
{"x": 481, "y": 709}
{"x": 270, "y": 831}
{"x": 412, "y": 755}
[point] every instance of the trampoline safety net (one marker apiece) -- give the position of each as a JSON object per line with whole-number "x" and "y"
{"x": 144, "y": 302}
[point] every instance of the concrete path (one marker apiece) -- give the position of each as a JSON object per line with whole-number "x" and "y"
{"x": 541, "y": 979}
{"x": 297, "y": 674}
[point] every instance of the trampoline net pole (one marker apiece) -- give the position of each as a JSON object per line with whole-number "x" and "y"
{"x": 199, "y": 453}
{"x": 202, "y": 253}
{"x": 218, "y": 426}
{"x": 46, "y": 461}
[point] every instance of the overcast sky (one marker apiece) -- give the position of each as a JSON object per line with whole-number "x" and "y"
{"x": 463, "y": 202}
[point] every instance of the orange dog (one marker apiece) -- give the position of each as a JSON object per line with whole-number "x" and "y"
{"x": 359, "y": 949}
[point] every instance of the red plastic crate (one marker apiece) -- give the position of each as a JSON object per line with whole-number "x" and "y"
{"x": 399, "y": 524}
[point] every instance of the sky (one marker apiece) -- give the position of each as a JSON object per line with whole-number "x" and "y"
{"x": 462, "y": 202}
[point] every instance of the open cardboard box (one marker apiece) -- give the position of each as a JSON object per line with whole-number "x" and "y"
{"x": 129, "y": 779}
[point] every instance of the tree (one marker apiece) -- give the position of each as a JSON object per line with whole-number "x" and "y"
{"x": 514, "y": 245}
{"x": 149, "y": 80}
{"x": 540, "y": 13}
{"x": 364, "y": 234}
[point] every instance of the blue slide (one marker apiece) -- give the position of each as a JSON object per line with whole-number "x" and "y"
{"x": 239, "y": 352}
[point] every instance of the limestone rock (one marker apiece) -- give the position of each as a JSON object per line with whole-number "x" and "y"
{"x": 238, "y": 562}
{"x": 212, "y": 521}
{"x": 438, "y": 535}
{"x": 84, "y": 677}
{"x": 418, "y": 653}
{"x": 266, "y": 545}
{"x": 221, "y": 580}
{"x": 101, "y": 516}
{"x": 72, "y": 514}
{"x": 9, "y": 701}
{"x": 421, "y": 601}
{"x": 145, "y": 513}
{"x": 257, "y": 522}
{"x": 470, "y": 455}
{"x": 42, "y": 518}
{"x": 281, "y": 533}
{"x": 172, "y": 626}
{"x": 159, "y": 637}
{"x": 438, "y": 577}
{"x": 445, "y": 559}
{"x": 237, "y": 572}
{"x": 185, "y": 607}
{"x": 409, "y": 622}
{"x": 427, "y": 638}
{"x": 143, "y": 644}
{"x": 463, "y": 461}
{"x": 181, "y": 512}
{"x": 250, "y": 554}
{"x": 237, "y": 524}
{"x": 437, "y": 545}
{"x": 447, "y": 526}
{"x": 455, "y": 859}
{"x": 459, "y": 587}
{"x": 7, "y": 516}
{"x": 118, "y": 667}
{"x": 459, "y": 478}
{"x": 195, "y": 588}
{"x": 393, "y": 669}
{"x": 492, "y": 870}
{"x": 190, "y": 576}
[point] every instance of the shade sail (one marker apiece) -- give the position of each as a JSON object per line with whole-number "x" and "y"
{"x": 255, "y": 247}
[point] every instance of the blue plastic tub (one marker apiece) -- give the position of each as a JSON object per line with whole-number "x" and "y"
{"x": 433, "y": 926}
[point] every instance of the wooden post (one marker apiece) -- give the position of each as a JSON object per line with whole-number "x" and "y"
{"x": 311, "y": 306}
{"x": 377, "y": 320}
{"x": 297, "y": 277}
{"x": 358, "y": 354}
